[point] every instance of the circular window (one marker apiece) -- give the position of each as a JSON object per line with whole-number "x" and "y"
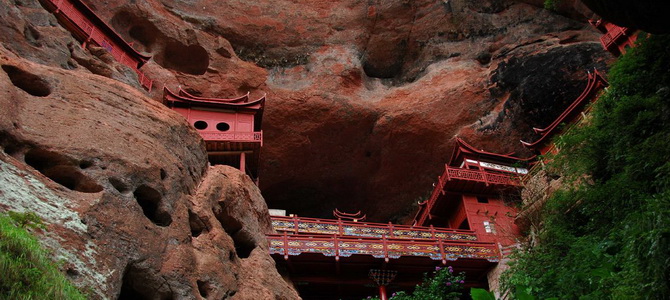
{"x": 223, "y": 126}
{"x": 200, "y": 125}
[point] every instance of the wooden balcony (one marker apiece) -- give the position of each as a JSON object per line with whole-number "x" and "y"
{"x": 313, "y": 226}
{"x": 232, "y": 136}
{"x": 343, "y": 246}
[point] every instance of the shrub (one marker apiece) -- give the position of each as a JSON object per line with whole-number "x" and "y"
{"x": 606, "y": 235}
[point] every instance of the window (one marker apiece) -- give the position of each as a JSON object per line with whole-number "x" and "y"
{"x": 200, "y": 125}
{"x": 223, "y": 126}
{"x": 481, "y": 199}
{"x": 489, "y": 227}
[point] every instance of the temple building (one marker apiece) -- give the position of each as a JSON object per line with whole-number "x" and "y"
{"x": 231, "y": 128}
{"x": 477, "y": 191}
{"x": 616, "y": 39}
{"x": 465, "y": 224}
{"x": 87, "y": 27}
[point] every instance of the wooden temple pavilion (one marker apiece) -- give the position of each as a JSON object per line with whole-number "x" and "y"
{"x": 87, "y": 27}
{"x": 337, "y": 259}
{"x": 477, "y": 192}
{"x": 464, "y": 224}
{"x": 571, "y": 115}
{"x": 615, "y": 39}
{"x": 231, "y": 128}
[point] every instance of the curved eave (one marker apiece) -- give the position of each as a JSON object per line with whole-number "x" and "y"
{"x": 339, "y": 214}
{"x": 110, "y": 32}
{"x": 463, "y": 147}
{"x": 244, "y": 98}
{"x": 171, "y": 97}
{"x": 595, "y": 83}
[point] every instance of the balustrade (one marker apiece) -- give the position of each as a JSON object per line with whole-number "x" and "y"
{"x": 298, "y": 225}
{"x": 342, "y": 246}
{"x": 233, "y": 136}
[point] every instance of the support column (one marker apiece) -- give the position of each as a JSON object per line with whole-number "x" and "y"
{"x": 382, "y": 293}
{"x": 382, "y": 278}
{"x": 243, "y": 162}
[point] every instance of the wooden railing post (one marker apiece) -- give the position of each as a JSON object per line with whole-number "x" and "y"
{"x": 337, "y": 248}
{"x": 391, "y": 230}
{"x": 442, "y": 253}
{"x": 339, "y": 226}
{"x": 285, "y": 246}
{"x": 386, "y": 250}
{"x": 295, "y": 224}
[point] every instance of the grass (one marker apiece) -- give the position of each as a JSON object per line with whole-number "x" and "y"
{"x": 26, "y": 267}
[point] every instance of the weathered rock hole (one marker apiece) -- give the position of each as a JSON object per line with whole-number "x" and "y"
{"x": 384, "y": 72}
{"x": 163, "y": 174}
{"x": 61, "y": 170}
{"x": 85, "y": 164}
{"x": 143, "y": 34}
{"x": 192, "y": 59}
{"x": 196, "y": 224}
{"x": 72, "y": 272}
{"x": 136, "y": 285}
{"x": 484, "y": 57}
{"x": 32, "y": 35}
{"x": 11, "y": 149}
{"x": 119, "y": 185}
{"x": 136, "y": 28}
{"x": 204, "y": 288}
{"x": 244, "y": 242}
{"x": 28, "y": 82}
{"x": 149, "y": 199}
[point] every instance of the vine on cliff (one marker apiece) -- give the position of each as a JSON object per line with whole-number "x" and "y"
{"x": 606, "y": 234}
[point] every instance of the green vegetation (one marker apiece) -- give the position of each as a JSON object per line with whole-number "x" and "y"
{"x": 25, "y": 268}
{"x": 606, "y": 235}
{"x": 443, "y": 284}
{"x": 550, "y": 4}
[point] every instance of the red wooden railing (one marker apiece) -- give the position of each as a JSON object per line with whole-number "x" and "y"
{"x": 144, "y": 80}
{"x": 85, "y": 30}
{"x": 300, "y": 225}
{"x": 232, "y": 136}
{"x": 451, "y": 173}
{"x": 342, "y": 246}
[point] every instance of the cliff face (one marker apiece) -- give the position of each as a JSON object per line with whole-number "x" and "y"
{"x": 364, "y": 100}
{"x": 123, "y": 184}
{"x": 365, "y": 97}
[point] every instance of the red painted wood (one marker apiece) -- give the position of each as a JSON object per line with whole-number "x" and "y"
{"x": 570, "y": 115}
{"x": 88, "y": 27}
{"x": 366, "y": 229}
{"x": 382, "y": 293}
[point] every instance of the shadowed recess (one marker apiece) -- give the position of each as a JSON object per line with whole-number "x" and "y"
{"x": 28, "y": 82}
{"x": 149, "y": 199}
{"x": 61, "y": 170}
{"x": 244, "y": 242}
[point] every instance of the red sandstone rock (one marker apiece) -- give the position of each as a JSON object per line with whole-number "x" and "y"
{"x": 337, "y": 134}
{"x": 123, "y": 184}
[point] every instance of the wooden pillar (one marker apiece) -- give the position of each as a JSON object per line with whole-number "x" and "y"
{"x": 243, "y": 162}
{"x": 382, "y": 278}
{"x": 382, "y": 293}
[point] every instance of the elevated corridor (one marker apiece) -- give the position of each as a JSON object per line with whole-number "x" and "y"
{"x": 300, "y": 225}
{"x": 329, "y": 259}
